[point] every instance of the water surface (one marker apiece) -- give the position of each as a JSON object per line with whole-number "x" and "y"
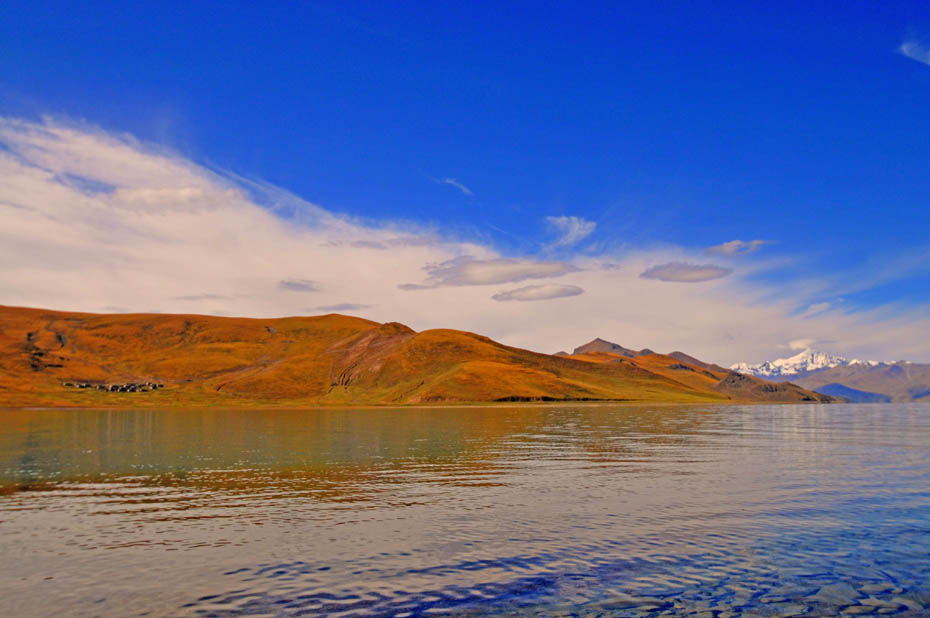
{"x": 571, "y": 510}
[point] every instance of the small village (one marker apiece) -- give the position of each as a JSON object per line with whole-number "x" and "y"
{"x": 130, "y": 387}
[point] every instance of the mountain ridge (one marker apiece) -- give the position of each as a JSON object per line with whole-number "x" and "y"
{"x": 857, "y": 380}
{"x": 55, "y": 358}
{"x": 687, "y": 369}
{"x": 804, "y": 362}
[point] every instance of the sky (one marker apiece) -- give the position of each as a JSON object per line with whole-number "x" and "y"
{"x": 732, "y": 181}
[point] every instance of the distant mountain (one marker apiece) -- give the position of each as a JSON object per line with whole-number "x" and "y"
{"x": 689, "y": 371}
{"x": 56, "y": 358}
{"x": 801, "y": 364}
{"x": 853, "y": 379}
{"x": 901, "y": 381}
{"x": 853, "y": 395}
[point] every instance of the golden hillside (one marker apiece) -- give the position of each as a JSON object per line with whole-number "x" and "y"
{"x": 54, "y": 358}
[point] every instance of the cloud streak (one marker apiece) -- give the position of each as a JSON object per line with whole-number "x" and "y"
{"x": 681, "y": 272}
{"x": 299, "y": 285}
{"x": 466, "y": 270}
{"x": 815, "y": 309}
{"x": 570, "y": 230}
{"x": 915, "y": 51}
{"x": 539, "y": 292}
{"x": 452, "y": 182}
{"x": 736, "y": 248}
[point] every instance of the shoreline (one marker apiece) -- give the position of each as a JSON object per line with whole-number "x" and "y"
{"x": 408, "y": 406}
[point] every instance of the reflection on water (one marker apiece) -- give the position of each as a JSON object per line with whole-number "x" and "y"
{"x": 575, "y": 510}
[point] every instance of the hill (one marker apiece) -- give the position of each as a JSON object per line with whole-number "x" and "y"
{"x": 54, "y": 358}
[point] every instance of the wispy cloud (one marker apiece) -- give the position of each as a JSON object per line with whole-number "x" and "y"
{"x": 368, "y": 244}
{"x": 681, "y": 272}
{"x": 539, "y": 292}
{"x": 424, "y": 240}
{"x": 466, "y": 270}
{"x": 815, "y": 309}
{"x": 736, "y": 248}
{"x": 140, "y": 228}
{"x": 915, "y": 51}
{"x": 452, "y": 182}
{"x": 570, "y": 230}
{"x": 299, "y": 285}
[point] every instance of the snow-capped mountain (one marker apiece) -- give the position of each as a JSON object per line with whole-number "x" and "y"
{"x": 802, "y": 363}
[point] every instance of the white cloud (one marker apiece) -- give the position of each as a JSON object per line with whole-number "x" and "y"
{"x": 452, "y": 182}
{"x": 570, "y": 230}
{"x": 735, "y": 248}
{"x": 681, "y": 272}
{"x": 539, "y": 292}
{"x": 466, "y": 270}
{"x": 95, "y": 222}
{"x": 801, "y": 344}
{"x": 915, "y": 51}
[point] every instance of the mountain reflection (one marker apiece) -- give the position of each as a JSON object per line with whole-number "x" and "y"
{"x": 326, "y": 455}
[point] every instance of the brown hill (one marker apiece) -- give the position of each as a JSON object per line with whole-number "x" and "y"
{"x": 53, "y": 358}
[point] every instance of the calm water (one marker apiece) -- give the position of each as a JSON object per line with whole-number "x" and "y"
{"x": 598, "y": 510}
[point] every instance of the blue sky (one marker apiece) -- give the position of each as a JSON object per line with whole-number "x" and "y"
{"x": 637, "y": 127}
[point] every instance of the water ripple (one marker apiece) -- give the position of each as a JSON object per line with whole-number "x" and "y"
{"x": 553, "y": 511}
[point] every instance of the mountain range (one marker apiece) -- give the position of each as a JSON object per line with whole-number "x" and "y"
{"x": 853, "y": 379}
{"x": 54, "y": 358}
{"x": 802, "y": 363}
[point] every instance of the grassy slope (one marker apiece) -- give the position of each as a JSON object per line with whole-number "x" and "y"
{"x": 332, "y": 359}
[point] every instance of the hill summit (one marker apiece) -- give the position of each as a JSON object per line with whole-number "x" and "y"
{"x": 601, "y": 346}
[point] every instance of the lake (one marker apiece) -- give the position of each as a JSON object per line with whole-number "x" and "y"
{"x": 588, "y": 510}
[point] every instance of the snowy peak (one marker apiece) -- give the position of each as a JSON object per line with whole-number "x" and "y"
{"x": 803, "y": 362}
